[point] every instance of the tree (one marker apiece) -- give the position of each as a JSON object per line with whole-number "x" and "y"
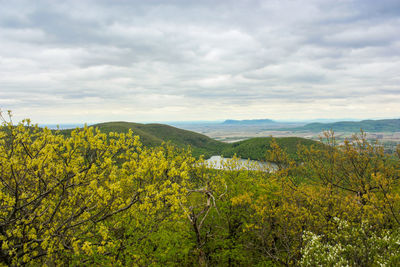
{"x": 59, "y": 196}
{"x": 360, "y": 169}
{"x": 356, "y": 182}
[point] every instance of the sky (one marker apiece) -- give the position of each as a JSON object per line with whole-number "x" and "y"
{"x": 142, "y": 61}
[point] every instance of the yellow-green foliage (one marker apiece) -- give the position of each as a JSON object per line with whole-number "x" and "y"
{"x": 58, "y": 195}
{"x": 354, "y": 182}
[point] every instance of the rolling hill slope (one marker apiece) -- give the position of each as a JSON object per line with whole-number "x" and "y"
{"x": 154, "y": 134}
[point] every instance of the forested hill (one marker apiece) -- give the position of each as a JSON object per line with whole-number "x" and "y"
{"x": 255, "y": 148}
{"x": 154, "y": 134}
{"x": 390, "y": 125}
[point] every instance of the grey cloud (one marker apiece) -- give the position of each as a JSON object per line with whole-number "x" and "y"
{"x": 178, "y": 53}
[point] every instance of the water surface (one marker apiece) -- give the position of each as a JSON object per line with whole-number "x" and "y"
{"x": 218, "y": 162}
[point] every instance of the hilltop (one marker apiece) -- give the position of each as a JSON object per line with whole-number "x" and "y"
{"x": 154, "y": 134}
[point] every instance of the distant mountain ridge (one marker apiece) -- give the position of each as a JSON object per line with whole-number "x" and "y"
{"x": 387, "y": 125}
{"x": 247, "y": 122}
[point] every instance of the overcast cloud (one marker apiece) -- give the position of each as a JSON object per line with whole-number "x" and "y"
{"x": 91, "y": 61}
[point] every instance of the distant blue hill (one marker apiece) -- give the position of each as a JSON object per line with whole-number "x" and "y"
{"x": 248, "y": 122}
{"x": 389, "y": 125}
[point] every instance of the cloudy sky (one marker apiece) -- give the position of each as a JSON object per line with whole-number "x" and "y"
{"x": 92, "y": 61}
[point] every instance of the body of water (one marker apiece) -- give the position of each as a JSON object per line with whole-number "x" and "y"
{"x": 218, "y": 162}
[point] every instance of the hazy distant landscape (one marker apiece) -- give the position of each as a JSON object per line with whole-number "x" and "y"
{"x": 386, "y": 132}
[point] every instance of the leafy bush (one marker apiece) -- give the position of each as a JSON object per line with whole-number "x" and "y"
{"x": 352, "y": 245}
